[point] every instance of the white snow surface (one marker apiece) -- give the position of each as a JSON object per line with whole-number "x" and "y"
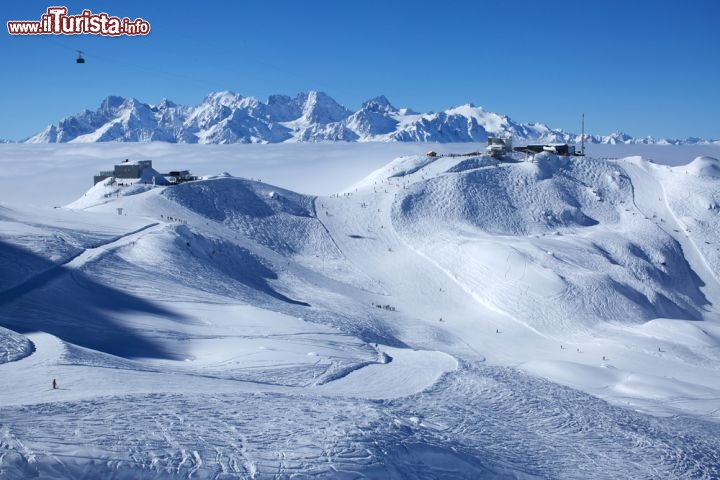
{"x": 360, "y": 310}
{"x": 13, "y": 346}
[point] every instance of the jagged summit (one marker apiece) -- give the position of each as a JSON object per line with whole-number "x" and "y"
{"x": 319, "y": 107}
{"x": 111, "y": 103}
{"x": 379, "y": 102}
{"x": 314, "y": 116}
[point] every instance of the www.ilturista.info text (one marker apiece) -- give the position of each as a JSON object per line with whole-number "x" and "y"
{"x": 57, "y": 22}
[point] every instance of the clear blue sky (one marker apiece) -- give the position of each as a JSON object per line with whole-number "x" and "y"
{"x": 646, "y": 67}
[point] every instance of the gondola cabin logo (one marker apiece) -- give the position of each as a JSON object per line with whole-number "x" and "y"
{"x": 57, "y": 22}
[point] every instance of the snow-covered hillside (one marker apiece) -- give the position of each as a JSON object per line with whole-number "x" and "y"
{"x": 227, "y": 117}
{"x": 435, "y": 317}
{"x": 568, "y": 226}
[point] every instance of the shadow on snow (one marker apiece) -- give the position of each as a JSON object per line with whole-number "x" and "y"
{"x": 77, "y": 309}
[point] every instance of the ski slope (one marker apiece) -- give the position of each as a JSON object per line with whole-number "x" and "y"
{"x": 447, "y": 317}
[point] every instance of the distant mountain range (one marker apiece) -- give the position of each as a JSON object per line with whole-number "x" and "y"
{"x": 227, "y": 117}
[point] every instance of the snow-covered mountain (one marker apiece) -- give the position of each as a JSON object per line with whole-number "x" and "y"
{"x": 227, "y": 117}
{"x": 444, "y": 317}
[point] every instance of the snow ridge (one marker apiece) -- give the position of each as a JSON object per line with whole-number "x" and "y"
{"x": 227, "y": 117}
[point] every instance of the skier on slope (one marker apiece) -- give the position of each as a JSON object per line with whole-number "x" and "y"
{"x": 54, "y": 384}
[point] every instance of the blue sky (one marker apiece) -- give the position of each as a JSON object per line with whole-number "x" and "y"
{"x": 644, "y": 67}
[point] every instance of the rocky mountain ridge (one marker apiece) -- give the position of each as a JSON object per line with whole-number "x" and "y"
{"x": 226, "y": 117}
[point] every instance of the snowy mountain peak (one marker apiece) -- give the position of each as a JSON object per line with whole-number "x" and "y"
{"x": 166, "y": 103}
{"x": 223, "y": 98}
{"x": 378, "y": 103}
{"x": 228, "y": 117}
{"x": 111, "y": 103}
{"x": 133, "y": 104}
{"x": 318, "y": 107}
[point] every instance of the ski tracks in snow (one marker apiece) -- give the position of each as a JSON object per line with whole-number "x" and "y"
{"x": 474, "y": 422}
{"x": 653, "y": 185}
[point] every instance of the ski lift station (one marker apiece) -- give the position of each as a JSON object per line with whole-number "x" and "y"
{"x": 128, "y": 170}
{"x": 562, "y": 149}
{"x": 497, "y": 147}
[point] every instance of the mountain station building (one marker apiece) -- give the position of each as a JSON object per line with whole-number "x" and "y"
{"x": 128, "y": 170}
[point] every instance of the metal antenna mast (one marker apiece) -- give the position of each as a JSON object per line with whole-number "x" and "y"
{"x": 582, "y": 137}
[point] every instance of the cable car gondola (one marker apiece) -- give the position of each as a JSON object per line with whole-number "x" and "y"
{"x": 80, "y": 58}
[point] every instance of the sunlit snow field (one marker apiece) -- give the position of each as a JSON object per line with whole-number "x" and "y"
{"x": 360, "y": 310}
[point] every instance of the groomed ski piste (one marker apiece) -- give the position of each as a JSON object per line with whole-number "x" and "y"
{"x": 432, "y": 317}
